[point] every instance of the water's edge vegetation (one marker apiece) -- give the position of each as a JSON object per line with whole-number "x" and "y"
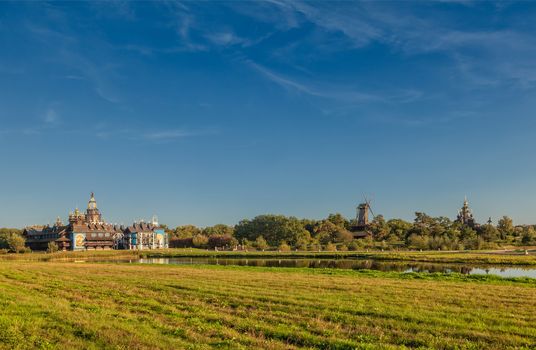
{"x": 488, "y": 257}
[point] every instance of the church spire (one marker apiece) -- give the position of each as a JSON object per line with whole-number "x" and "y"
{"x": 465, "y": 215}
{"x": 92, "y": 204}
{"x": 93, "y": 215}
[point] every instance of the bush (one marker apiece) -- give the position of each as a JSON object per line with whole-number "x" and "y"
{"x": 221, "y": 241}
{"x": 284, "y": 247}
{"x": 200, "y": 241}
{"x": 302, "y": 245}
{"x": 418, "y": 242}
{"x": 343, "y": 236}
{"x": 354, "y": 245}
{"x": 330, "y": 247}
{"x": 260, "y": 243}
{"x": 52, "y": 247}
{"x": 181, "y": 242}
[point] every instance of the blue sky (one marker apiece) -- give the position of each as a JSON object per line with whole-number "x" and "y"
{"x": 209, "y": 112}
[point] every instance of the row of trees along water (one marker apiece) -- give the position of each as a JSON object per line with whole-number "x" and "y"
{"x": 333, "y": 233}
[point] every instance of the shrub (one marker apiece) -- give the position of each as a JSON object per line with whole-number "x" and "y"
{"x": 221, "y": 241}
{"x": 181, "y": 242}
{"x": 354, "y": 245}
{"x": 284, "y": 247}
{"x": 260, "y": 243}
{"x": 330, "y": 247}
{"x": 200, "y": 241}
{"x": 302, "y": 245}
{"x": 52, "y": 247}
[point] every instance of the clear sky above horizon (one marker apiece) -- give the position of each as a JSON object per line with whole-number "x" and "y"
{"x": 211, "y": 112}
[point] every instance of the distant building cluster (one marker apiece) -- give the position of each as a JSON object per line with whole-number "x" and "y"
{"x": 88, "y": 231}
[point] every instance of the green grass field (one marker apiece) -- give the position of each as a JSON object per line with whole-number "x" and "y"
{"x": 118, "y": 306}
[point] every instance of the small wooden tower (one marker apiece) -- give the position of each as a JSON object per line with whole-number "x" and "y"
{"x": 362, "y": 217}
{"x": 360, "y": 229}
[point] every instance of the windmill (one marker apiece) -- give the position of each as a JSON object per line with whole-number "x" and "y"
{"x": 362, "y": 215}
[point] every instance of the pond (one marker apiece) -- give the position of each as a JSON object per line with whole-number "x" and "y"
{"x": 355, "y": 264}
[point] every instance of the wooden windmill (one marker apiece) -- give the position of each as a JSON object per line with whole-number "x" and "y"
{"x": 362, "y": 215}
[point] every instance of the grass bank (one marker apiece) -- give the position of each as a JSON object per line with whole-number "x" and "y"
{"x": 88, "y": 305}
{"x": 475, "y": 257}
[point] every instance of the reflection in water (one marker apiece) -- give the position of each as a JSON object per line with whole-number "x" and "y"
{"x": 355, "y": 264}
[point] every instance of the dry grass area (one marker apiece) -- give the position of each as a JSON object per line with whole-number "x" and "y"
{"x": 118, "y": 306}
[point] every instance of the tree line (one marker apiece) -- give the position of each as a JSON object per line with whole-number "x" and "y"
{"x": 335, "y": 233}
{"x": 285, "y": 233}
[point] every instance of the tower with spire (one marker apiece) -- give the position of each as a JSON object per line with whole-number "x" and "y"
{"x": 93, "y": 215}
{"x": 465, "y": 215}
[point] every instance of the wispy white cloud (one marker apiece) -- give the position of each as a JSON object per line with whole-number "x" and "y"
{"x": 226, "y": 38}
{"x": 104, "y": 131}
{"x": 348, "y": 95}
{"x": 175, "y": 134}
{"x": 166, "y": 135}
{"x": 337, "y": 92}
{"x": 51, "y": 117}
{"x": 63, "y": 47}
{"x": 506, "y": 52}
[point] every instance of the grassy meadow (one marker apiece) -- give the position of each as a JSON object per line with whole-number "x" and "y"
{"x": 88, "y": 305}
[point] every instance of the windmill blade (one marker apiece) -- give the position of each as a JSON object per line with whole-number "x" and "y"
{"x": 368, "y": 202}
{"x": 371, "y": 212}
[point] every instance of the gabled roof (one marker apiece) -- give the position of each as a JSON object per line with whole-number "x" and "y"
{"x": 141, "y": 227}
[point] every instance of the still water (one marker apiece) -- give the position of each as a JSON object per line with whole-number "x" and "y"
{"x": 355, "y": 264}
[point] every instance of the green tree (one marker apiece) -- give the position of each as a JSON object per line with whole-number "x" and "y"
{"x": 308, "y": 224}
{"x": 529, "y": 235}
{"x": 398, "y": 229}
{"x": 338, "y": 220}
{"x": 12, "y": 241}
{"x": 488, "y": 233}
{"x": 417, "y": 241}
{"x": 260, "y": 243}
{"x": 326, "y": 231}
{"x": 186, "y": 231}
{"x": 219, "y": 229}
{"x": 422, "y": 225}
{"x": 505, "y": 226}
{"x": 470, "y": 238}
{"x": 379, "y": 228}
{"x": 275, "y": 229}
